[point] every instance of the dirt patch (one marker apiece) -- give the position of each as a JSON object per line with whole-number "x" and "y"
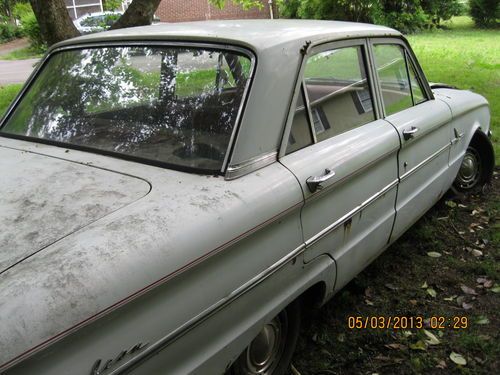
{"x": 445, "y": 271}
{"x": 8, "y": 47}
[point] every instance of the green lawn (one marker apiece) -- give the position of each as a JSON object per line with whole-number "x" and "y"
{"x": 465, "y": 57}
{"x": 7, "y": 94}
{"x": 22, "y": 54}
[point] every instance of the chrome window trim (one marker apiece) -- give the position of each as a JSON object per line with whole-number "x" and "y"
{"x": 257, "y": 162}
{"x": 150, "y": 43}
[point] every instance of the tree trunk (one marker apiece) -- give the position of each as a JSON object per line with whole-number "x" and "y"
{"x": 54, "y": 20}
{"x": 138, "y": 13}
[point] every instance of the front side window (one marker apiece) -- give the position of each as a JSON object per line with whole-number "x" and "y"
{"x": 175, "y": 105}
{"x": 338, "y": 91}
{"x": 399, "y": 90}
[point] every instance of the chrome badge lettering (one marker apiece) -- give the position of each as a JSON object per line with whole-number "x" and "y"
{"x": 99, "y": 368}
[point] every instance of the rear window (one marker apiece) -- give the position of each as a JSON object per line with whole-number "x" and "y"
{"x": 174, "y": 105}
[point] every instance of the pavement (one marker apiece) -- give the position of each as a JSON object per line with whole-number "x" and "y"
{"x": 15, "y": 71}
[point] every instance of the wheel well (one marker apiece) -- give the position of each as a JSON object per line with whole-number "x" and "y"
{"x": 314, "y": 296}
{"x": 482, "y": 143}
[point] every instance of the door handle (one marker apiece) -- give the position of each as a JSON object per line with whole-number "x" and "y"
{"x": 410, "y": 133}
{"x": 314, "y": 183}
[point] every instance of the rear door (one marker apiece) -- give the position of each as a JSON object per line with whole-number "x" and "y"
{"x": 344, "y": 158}
{"x": 423, "y": 125}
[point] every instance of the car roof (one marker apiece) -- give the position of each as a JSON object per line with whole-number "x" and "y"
{"x": 256, "y": 34}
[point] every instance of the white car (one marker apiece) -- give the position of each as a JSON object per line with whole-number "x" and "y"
{"x": 172, "y": 194}
{"x": 96, "y": 22}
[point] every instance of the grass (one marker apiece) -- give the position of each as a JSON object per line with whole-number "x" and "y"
{"x": 465, "y": 57}
{"x": 7, "y": 94}
{"x": 22, "y": 54}
{"x": 397, "y": 284}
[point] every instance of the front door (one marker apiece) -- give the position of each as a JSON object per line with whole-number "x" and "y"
{"x": 423, "y": 125}
{"x": 344, "y": 158}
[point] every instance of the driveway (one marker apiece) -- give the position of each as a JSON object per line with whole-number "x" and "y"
{"x": 15, "y": 71}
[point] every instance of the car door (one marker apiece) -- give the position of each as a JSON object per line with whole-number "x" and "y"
{"x": 344, "y": 158}
{"x": 423, "y": 125}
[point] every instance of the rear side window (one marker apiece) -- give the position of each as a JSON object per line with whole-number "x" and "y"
{"x": 338, "y": 91}
{"x": 398, "y": 81}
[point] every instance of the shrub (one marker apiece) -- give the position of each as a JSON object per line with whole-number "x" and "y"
{"x": 442, "y": 10}
{"x": 112, "y": 4}
{"x": 485, "y": 13}
{"x": 8, "y": 30}
{"x": 29, "y": 25}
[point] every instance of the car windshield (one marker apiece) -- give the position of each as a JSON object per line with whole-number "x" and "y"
{"x": 171, "y": 105}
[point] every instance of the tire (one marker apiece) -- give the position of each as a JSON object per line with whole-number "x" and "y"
{"x": 270, "y": 353}
{"x": 477, "y": 165}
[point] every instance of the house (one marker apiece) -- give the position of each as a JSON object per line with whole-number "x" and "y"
{"x": 180, "y": 10}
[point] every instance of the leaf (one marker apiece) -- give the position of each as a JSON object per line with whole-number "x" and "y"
{"x": 468, "y": 290}
{"x": 467, "y": 306}
{"x": 407, "y": 333}
{"x": 450, "y": 204}
{"x": 481, "y": 319}
{"x": 441, "y": 364}
{"x": 424, "y": 285}
{"x": 451, "y": 298}
{"x": 419, "y": 345}
{"x": 434, "y": 254}
{"x": 396, "y": 346}
{"x": 488, "y": 284}
{"x": 391, "y": 286}
{"x": 431, "y": 292}
{"x": 477, "y": 253}
{"x": 458, "y": 359}
{"x": 496, "y": 289}
{"x": 433, "y": 340}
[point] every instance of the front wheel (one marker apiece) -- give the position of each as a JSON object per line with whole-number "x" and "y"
{"x": 270, "y": 353}
{"x": 477, "y": 165}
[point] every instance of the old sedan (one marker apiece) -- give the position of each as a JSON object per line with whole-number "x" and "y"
{"x": 172, "y": 194}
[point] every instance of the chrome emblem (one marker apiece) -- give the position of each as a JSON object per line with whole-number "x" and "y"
{"x": 98, "y": 368}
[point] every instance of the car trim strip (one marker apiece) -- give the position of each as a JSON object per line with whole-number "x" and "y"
{"x": 140, "y": 292}
{"x": 237, "y": 170}
{"x": 424, "y": 162}
{"x": 323, "y": 233}
{"x": 219, "y": 305}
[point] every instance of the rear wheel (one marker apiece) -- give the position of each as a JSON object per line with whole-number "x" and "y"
{"x": 270, "y": 352}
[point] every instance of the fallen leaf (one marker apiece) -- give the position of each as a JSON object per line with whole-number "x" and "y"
{"x": 460, "y": 300}
{"x": 481, "y": 280}
{"x": 488, "y": 284}
{"x": 424, "y": 285}
{"x": 450, "y": 204}
{"x": 396, "y": 346}
{"x": 468, "y": 290}
{"x": 434, "y": 254}
{"x": 458, "y": 359}
{"x": 467, "y": 306}
{"x": 407, "y": 333}
{"x": 341, "y": 337}
{"x": 431, "y": 292}
{"x": 433, "y": 340}
{"x": 441, "y": 364}
{"x": 474, "y": 212}
{"x": 482, "y": 320}
{"x": 368, "y": 292}
{"x": 496, "y": 289}
{"x": 369, "y": 303}
{"x": 391, "y": 286}
{"x": 419, "y": 345}
{"x": 477, "y": 253}
{"x": 413, "y": 302}
{"x": 451, "y": 298}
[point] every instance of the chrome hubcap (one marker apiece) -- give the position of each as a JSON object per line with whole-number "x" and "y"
{"x": 469, "y": 172}
{"x": 263, "y": 354}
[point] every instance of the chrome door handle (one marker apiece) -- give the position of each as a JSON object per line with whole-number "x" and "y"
{"x": 410, "y": 133}
{"x": 314, "y": 183}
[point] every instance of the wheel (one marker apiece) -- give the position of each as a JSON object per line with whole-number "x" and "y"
{"x": 270, "y": 353}
{"x": 477, "y": 165}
